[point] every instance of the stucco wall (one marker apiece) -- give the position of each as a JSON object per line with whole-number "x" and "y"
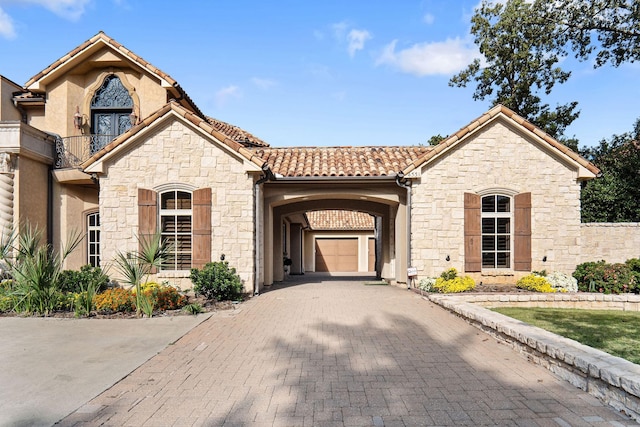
{"x": 176, "y": 154}
{"x": 499, "y": 158}
{"x": 32, "y": 192}
{"x": 615, "y": 242}
{"x": 7, "y": 110}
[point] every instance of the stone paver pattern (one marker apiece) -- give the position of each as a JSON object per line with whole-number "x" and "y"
{"x": 331, "y": 352}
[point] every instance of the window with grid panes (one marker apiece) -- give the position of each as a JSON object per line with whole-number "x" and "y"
{"x": 496, "y": 231}
{"x": 176, "y": 228}
{"x": 93, "y": 239}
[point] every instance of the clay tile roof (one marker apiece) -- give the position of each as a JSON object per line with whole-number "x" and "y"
{"x": 237, "y": 134}
{"x": 340, "y": 161}
{"x": 340, "y": 220}
{"x": 179, "y": 93}
{"x": 188, "y": 115}
{"x": 511, "y": 115}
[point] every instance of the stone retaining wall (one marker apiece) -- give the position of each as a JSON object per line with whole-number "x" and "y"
{"x": 614, "y": 380}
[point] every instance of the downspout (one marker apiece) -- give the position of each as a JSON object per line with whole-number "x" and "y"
{"x": 404, "y": 183}
{"x": 268, "y": 176}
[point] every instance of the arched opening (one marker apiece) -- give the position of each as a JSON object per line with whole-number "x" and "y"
{"x": 111, "y": 109}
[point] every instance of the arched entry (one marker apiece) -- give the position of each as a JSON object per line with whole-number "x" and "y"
{"x": 285, "y": 207}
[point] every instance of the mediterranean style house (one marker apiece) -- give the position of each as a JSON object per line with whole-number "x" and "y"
{"x": 104, "y": 142}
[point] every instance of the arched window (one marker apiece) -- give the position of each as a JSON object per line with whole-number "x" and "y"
{"x": 175, "y": 228}
{"x": 111, "y": 109}
{"x": 497, "y": 220}
{"x": 93, "y": 239}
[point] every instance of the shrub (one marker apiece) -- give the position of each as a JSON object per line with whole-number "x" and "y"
{"x": 562, "y": 282}
{"x": 115, "y": 300}
{"x": 606, "y": 278}
{"x": 217, "y": 281}
{"x": 426, "y": 284}
{"x": 458, "y": 284}
{"x": 79, "y": 281}
{"x": 164, "y": 297}
{"x": 533, "y": 282}
{"x": 450, "y": 282}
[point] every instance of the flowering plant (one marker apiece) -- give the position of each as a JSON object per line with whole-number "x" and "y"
{"x": 533, "y": 282}
{"x": 562, "y": 282}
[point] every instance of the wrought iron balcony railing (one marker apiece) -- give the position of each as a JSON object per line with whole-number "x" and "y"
{"x": 72, "y": 151}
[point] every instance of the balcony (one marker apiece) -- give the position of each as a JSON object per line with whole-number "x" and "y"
{"x": 72, "y": 151}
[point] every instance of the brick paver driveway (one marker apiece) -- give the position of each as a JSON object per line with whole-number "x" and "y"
{"x": 339, "y": 353}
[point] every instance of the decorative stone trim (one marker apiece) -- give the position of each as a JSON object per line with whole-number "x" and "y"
{"x": 611, "y": 379}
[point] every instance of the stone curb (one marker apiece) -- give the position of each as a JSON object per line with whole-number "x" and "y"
{"x": 613, "y": 380}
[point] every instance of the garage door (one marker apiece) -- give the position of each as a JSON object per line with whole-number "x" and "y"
{"x": 335, "y": 255}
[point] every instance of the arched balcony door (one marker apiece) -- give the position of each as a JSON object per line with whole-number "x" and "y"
{"x": 111, "y": 109}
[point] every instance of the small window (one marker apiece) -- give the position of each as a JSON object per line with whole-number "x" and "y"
{"x": 175, "y": 228}
{"x": 93, "y": 239}
{"x": 496, "y": 231}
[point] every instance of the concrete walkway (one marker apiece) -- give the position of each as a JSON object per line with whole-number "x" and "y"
{"x": 338, "y": 353}
{"x": 50, "y": 367}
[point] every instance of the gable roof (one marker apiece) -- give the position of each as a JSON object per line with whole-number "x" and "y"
{"x": 95, "y": 43}
{"x": 340, "y": 161}
{"x": 340, "y": 220}
{"x": 509, "y": 115}
{"x": 171, "y": 108}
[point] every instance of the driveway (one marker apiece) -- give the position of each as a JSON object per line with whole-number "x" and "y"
{"x": 51, "y": 367}
{"x": 332, "y": 352}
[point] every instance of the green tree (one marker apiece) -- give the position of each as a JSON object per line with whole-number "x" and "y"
{"x": 523, "y": 42}
{"x": 614, "y": 196}
{"x": 521, "y": 57}
{"x": 436, "y": 139}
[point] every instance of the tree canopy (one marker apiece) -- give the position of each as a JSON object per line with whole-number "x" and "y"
{"x": 615, "y": 196}
{"x": 523, "y": 42}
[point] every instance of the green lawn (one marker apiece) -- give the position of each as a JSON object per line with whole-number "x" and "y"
{"x": 615, "y": 332}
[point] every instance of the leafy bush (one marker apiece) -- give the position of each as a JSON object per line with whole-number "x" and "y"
{"x": 458, "y": 284}
{"x": 533, "y": 282}
{"x": 78, "y": 281}
{"x": 450, "y": 282}
{"x": 163, "y": 297}
{"x": 217, "y": 281}
{"x": 562, "y": 282}
{"x": 607, "y": 278}
{"x": 426, "y": 284}
{"x": 115, "y": 300}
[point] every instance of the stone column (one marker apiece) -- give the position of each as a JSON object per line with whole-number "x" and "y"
{"x": 7, "y": 174}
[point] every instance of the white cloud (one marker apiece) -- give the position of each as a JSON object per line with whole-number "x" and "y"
{"x": 263, "y": 83}
{"x": 433, "y": 58}
{"x": 356, "y": 39}
{"x": 227, "y": 93}
{"x": 428, "y": 19}
{"x": 6, "y": 26}
{"x": 339, "y": 30}
{"x": 68, "y": 9}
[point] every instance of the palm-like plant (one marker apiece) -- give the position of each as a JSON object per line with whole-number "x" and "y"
{"x": 136, "y": 266}
{"x": 36, "y": 269}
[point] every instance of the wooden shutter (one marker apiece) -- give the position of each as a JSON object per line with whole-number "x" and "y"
{"x": 147, "y": 216}
{"x": 472, "y": 233}
{"x": 201, "y": 227}
{"x": 147, "y": 213}
{"x": 522, "y": 237}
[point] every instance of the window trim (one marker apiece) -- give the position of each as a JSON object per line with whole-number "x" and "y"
{"x": 176, "y": 213}
{"x": 88, "y": 229}
{"x": 496, "y": 215}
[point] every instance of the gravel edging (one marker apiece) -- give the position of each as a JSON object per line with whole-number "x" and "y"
{"x": 613, "y": 380}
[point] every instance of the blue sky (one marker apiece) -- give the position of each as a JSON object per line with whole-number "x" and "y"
{"x": 294, "y": 72}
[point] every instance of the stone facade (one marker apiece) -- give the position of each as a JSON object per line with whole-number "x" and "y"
{"x": 177, "y": 156}
{"x": 611, "y": 242}
{"x": 496, "y": 159}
